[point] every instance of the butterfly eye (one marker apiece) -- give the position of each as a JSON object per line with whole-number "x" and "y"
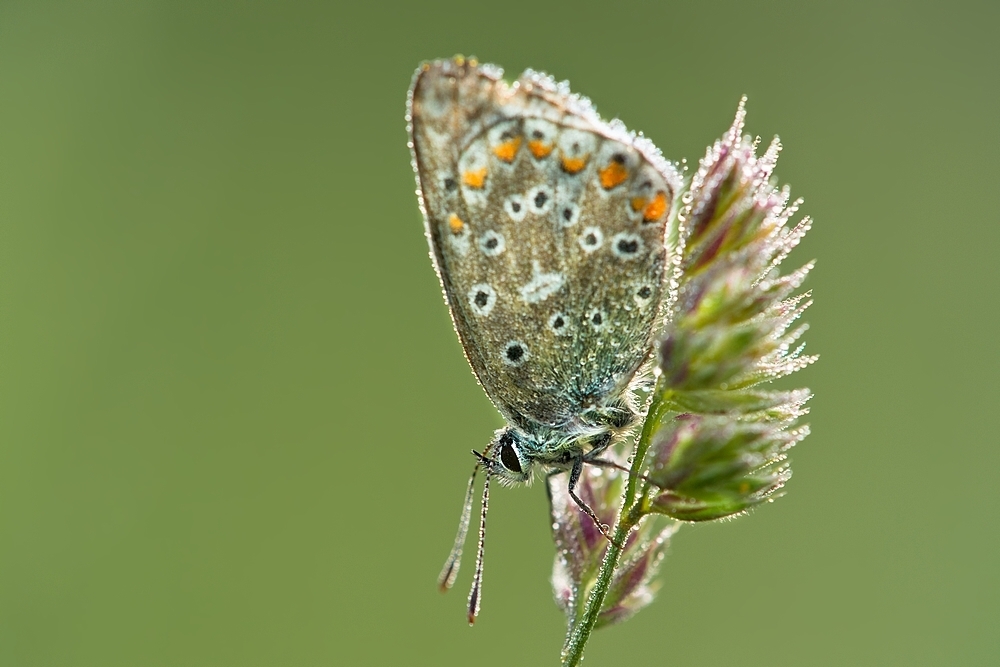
{"x": 508, "y": 456}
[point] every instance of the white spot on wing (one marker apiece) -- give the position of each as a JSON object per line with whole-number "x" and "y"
{"x": 542, "y": 285}
{"x": 614, "y": 151}
{"x": 492, "y": 243}
{"x": 597, "y": 319}
{"x": 499, "y": 134}
{"x": 516, "y": 207}
{"x": 559, "y": 324}
{"x": 591, "y": 239}
{"x": 482, "y": 298}
{"x": 569, "y": 214}
{"x": 448, "y": 185}
{"x": 536, "y": 129}
{"x": 643, "y": 295}
{"x": 514, "y": 353}
{"x": 577, "y": 144}
{"x": 540, "y": 195}
{"x": 647, "y": 183}
{"x": 459, "y": 242}
{"x": 474, "y": 159}
{"x": 627, "y": 246}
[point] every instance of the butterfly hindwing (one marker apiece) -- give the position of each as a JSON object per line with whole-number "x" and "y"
{"x": 547, "y": 226}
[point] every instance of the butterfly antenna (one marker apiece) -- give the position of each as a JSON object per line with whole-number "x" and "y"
{"x": 476, "y": 593}
{"x": 450, "y": 570}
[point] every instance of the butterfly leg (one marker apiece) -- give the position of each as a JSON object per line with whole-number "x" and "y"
{"x": 574, "y": 477}
{"x": 597, "y": 446}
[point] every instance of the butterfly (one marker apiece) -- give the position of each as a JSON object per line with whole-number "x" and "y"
{"x": 548, "y": 229}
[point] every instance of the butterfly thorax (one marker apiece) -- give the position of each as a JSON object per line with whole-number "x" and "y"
{"x": 519, "y": 451}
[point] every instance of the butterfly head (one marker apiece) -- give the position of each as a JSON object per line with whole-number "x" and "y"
{"x": 511, "y": 462}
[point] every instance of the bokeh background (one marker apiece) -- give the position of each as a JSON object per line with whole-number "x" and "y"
{"x": 234, "y": 418}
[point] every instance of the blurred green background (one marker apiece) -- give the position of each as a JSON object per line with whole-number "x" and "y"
{"x": 235, "y": 420}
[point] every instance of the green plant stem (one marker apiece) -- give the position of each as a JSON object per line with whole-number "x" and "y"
{"x": 573, "y": 652}
{"x": 628, "y": 518}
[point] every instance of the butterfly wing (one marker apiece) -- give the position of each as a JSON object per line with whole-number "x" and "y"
{"x": 548, "y": 230}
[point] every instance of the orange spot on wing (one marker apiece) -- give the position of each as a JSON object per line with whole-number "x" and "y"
{"x": 455, "y": 224}
{"x": 475, "y": 179}
{"x": 656, "y": 208}
{"x": 573, "y": 165}
{"x": 539, "y": 148}
{"x": 614, "y": 174}
{"x": 638, "y": 203}
{"x": 508, "y": 149}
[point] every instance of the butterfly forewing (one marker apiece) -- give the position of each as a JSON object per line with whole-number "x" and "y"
{"x": 548, "y": 228}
